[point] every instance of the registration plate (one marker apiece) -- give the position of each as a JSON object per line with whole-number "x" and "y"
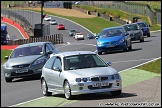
{"x": 22, "y": 71}
{"x": 108, "y": 46}
{"x": 100, "y": 84}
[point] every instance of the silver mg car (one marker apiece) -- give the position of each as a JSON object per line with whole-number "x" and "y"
{"x": 79, "y": 72}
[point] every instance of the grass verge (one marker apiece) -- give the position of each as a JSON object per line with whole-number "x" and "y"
{"x": 154, "y": 66}
{"x": 3, "y": 54}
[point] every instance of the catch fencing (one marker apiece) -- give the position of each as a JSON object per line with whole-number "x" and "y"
{"x": 129, "y": 7}
{"x": 20, "y": 20}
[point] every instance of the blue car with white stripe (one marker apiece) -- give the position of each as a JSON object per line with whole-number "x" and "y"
{"x": 114, "y": 38}
{"x": 145, "y": 28}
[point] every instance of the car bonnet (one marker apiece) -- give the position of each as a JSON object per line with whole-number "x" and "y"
{"x": 89, "y": 72}
{"x": 23, "y": 60}
{"x": 110, "y": 39}
{"x": 134, "y": 31}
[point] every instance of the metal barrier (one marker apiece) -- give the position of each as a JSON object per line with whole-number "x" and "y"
{"x": 158, "y": 16}
{"x": 55, "y": 39}
{"x": 20, "y": 20}
{"x": 129, "y": 7}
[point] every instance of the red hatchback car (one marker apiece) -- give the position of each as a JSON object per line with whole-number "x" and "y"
{"x": 60, "y": 27}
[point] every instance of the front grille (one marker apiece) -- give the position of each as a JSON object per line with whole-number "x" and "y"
{"x": 102, "y": 87}
{"x": 99, "y": 78}
{"x": 104, "y": 78}
{"x": 95, "y": 79}
{"x": 110, "y": 43}
{"x": 21, "y": 66}
{"x": 19, "y": 74}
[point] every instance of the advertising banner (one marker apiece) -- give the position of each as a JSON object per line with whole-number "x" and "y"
{"x": 53, "y": 4}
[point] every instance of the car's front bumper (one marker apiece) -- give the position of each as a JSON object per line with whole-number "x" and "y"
{"x": 135, "y": 37}
{"x": 86, "y": 88}
{"x": 146, "y": 33}
{"x": 104, "y": 48}
{"x": 26, "y": 71}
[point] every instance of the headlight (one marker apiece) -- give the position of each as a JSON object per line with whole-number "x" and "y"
{"x": 78, "y": 79}
{"x": 115, "y": 76}
{"x": 82, "y": 79}
{"x": 38, "y": 61}
{"x": 7, "y": 66}
{"x": 121, "y": 41}
{"x": 99, "y": 43}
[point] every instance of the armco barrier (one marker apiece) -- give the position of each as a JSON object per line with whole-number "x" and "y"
{"x": 3, "y": 19}
{"x": 55, "y": 39}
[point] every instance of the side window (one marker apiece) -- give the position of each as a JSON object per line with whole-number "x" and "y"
{"x": 49, "y": 46}
{"x": 53, "y": 48}
{"x": 124, "y": 30}
{"x": 57, "y": 63}
{"x": 49, "y": 62}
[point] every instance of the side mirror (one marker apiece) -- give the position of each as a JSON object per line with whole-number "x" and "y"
{"x": 109, "y": 63}
{"x": 57, "y": 69}
{"x": 49, "y": 52}
{"x": 149, "y": 25}
{"x": 6, "y": 57}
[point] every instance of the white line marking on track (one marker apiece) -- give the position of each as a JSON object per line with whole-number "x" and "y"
{"x": 140, "y": 64}
{"x": 133, "y": 60}
{"x": 26, "y": 102}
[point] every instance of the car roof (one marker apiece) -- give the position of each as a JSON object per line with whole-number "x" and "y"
{"x": 32, "y": 44}
{"x": 112, "y": 27}
{"x": 70, "y": 53}
{"x": 140, "y": 22}
{"x": 130, "y": 24}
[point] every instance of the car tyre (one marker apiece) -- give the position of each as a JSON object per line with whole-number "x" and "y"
{"x": 67, "y": 90}
{"x": 99, "y": 53}
{"x": 45, "y": 88}
{"x": 142, "y": 39}
{"x": 148, "y": 35}
{"x": 116, "y": 93}
{"x": 130, "y": 47}
{"x": 8, "y": 79}
{"x": 126, "y": 49}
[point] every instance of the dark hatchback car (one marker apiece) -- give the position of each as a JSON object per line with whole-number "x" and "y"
{"x": 145, "y": 28}
{"x": 135, "y": 32}
{"x": 27, "y": 60}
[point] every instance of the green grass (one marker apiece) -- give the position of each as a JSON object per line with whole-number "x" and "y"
{"x": 3, "y": 54}
{"x": 154, "y": 66}
{"x": 118, "y": 13}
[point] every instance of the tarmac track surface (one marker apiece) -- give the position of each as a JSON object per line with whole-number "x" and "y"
{"x": 142, "y": 52}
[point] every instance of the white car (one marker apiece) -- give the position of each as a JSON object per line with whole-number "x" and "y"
{"x": 79, "y": 72}
{"x": 78, "y": 36}
{"x": 53, "y": 22}
{"x": 47, "y": 18}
